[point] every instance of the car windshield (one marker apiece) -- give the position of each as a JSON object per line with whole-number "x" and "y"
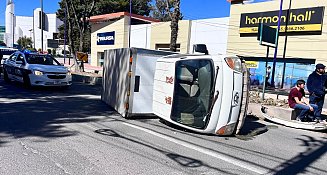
{"x": 41, "y": 59}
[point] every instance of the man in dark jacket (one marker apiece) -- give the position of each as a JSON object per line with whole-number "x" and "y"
{"x": 316, "y": 87}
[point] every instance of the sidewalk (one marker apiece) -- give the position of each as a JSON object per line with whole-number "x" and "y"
{"x": 278, "y": 96}
{"x": 87, "y": 66}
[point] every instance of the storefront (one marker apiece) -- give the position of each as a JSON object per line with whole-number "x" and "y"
{"x": 305, "y": 43}
{"x": 110, "y": 31}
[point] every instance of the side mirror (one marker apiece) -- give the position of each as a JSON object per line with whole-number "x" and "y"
{"x": 201, "y": 48}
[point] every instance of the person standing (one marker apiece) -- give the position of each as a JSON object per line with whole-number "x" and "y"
{"x": 316, "y": 87}
{"x": 268, "y": 75}
{"x": 297, "y": 100}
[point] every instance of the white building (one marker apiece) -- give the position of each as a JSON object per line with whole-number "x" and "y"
{"x": 29, "y": 26}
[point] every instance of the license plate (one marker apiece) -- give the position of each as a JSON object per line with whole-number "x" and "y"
{"x": 56, "y": 82}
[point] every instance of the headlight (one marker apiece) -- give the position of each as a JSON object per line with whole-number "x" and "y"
{"x": 234, "y": 63}
{"x": 69, "y": 73}
{"x": 37, "y": 72}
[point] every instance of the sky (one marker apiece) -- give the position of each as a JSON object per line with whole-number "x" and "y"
{"x": 191, "y": 9}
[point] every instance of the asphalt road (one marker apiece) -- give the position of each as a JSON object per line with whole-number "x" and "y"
{"x": 54, "y": 131}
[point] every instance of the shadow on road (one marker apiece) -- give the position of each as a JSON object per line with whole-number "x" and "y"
{"x": 253, "y": 128}
{"x": 43, "y": 112}
{"x": 180, "y": 159}
{"x": 302, "y": 162}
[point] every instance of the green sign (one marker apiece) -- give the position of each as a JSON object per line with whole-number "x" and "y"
{"x": 267, "y": 35}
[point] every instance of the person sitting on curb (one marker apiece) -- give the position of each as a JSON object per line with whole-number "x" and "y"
{"x": 296, "y": 100}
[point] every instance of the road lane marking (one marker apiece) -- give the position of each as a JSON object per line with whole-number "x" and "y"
{"x": 209, "y": 152}
{"x": 23, "y": 100}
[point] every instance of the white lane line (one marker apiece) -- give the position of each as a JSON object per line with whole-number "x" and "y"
{"x": 22, "y": 100}
{"x": 209, "y": 152}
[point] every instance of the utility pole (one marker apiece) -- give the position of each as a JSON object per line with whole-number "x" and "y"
{"x": 33, "y": 30}
{"x": 41, "y": 25}
{"x": 130, "y": 23}
{"x": 13, "y": 29}
{"x": 65, "y": 34}
{"x": 276, "y": 48}
{"x": 285, "y": 43}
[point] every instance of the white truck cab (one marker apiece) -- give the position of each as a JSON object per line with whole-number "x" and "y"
{"x": 201, "y": 93}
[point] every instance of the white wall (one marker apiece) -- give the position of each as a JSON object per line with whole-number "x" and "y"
{"x": 23, "y": 24}
{"x": 141, "y": 36}
{"x": 24, "y": 27}
{"x": 212, "y": 32}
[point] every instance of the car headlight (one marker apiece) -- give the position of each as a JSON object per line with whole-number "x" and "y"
{"x": 37, "y": 72}
{"x": 69, "y": 73}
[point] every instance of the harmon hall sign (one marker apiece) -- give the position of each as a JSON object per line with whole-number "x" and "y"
{"x": 300, "y": 20}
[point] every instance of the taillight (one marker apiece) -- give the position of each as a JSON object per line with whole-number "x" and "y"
{"x": 234, "y": 63}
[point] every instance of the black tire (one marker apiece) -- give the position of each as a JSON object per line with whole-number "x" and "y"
{"x": 27, "y": 81}
{"x": 5, "y": 76}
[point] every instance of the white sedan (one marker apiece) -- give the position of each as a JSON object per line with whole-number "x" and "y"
{"x": 35, "y": 69}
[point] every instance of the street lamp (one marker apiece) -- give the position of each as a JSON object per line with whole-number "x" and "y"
{"x": 130, "y": 23}
{"x": 13, "y": 28}
{"x": 41, "y": 1}
{"x": 276, "y": 48}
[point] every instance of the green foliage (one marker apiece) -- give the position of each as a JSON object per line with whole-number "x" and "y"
{"x": 163, "y": 10}
{"x": 140, "y": 7}
{"x": 79, "y": 32}
{"x": 25, "y": 42}
{"x": 2, "y": 44}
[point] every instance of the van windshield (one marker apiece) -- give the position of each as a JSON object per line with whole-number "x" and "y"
{"x": 41, "y": 59}
{"x": 193, "y": 92}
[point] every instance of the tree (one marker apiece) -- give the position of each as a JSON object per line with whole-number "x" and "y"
{"x": 169, "y": 10}
{"x": 161, "y": 11}
{"x": 174, "y": 25}
{"x": 140, "y": 7}
{"x": 79, "y": 11}
{"x": 25, "y": 42}
{"x": 3, "y": 44}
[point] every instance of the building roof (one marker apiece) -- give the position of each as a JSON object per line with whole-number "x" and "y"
{"x": 113, "y": 16}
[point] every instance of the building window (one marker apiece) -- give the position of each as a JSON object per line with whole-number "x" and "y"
{"x": 165, "y": 47}
{"x": 100, "y": 58}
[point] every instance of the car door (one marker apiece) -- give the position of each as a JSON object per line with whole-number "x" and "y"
{"x": 19, "y": 67}
{"x": 9, "y": 66}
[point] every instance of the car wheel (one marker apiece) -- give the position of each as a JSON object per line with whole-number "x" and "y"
{"x": 27, "y": 81}
{"x": 5, "y": 76}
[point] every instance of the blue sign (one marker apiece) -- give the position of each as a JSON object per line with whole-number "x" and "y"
{"x": 107, "y": 38}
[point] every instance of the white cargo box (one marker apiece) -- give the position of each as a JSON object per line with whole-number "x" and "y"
{"x": 128, "y": 76}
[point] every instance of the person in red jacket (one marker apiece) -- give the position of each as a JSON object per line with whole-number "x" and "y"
{"x": 297, "y": 100}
